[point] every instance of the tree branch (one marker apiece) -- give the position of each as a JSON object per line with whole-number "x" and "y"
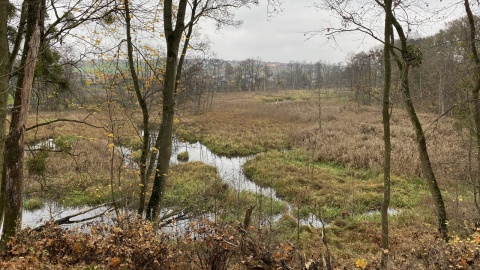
{"x": 62, "y": 120}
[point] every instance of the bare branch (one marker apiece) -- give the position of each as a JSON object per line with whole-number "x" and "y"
{"x": 62, "y": 120}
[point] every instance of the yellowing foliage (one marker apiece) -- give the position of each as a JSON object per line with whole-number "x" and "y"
{"x": 361, "y": 263}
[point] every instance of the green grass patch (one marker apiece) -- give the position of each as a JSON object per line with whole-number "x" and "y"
{"x": 328, "y": 189}
{"x": 33, "y": 203}
{"x": 240, "y": 142}
{"x": 76, "y": 198}
{"x": 66, "y": 142}
{"x": 134, "y": 142}
{"x": 265, "y": 208}
{"x": 196, "y": 187}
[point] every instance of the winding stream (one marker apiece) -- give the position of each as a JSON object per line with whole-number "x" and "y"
{"x": 229, "y": 169}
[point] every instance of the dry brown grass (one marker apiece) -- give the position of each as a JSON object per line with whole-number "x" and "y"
{"x": 81, "y": 175}
{"x": 352, "y": 135}
{"x": 244, "y": 123}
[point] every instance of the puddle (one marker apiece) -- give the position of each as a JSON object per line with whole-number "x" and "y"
{"x": 47, "y": 144}
{"x": 390, "y": 211}
{"x": 55, "y": 211}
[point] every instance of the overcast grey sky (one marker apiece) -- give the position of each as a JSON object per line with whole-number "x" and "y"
{"x": 282, "y": 38}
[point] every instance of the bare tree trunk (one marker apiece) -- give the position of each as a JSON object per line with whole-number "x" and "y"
{"x": 475, "y": 91}
{"x": 173, "y": 38}
{"x": 408, "y": 59}
{"x": 145, "y": 115}
{"x": 15, "y": 139}
{"x": 4, "y": 83}
{"x": 386, "y": 130}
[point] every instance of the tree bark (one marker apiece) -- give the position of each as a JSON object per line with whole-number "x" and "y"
{"x": 386, "y": 130}
{"x": 475, "y": 91}
{"x": 145, "y": 115}
{"x": 173, "y": 37}
{"x": 15, "y": 138}
{"x": 4, "y": 83}
{"x": 188, "y": 35}
{"x": 404, "y": 65}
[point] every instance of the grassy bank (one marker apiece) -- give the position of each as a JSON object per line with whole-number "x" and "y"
{"x": 327, "y": 187}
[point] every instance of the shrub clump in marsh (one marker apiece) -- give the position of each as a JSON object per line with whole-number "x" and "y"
{"x": 183, "y": 156}
{"x": 37, "y": 163}
{"x": 67, "y": 142}
{"x": 33, "y": 203}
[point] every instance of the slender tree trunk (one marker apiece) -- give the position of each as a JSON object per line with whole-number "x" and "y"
{"x": 145, "y": 116}
{"x": 4, "y": 83}
{"x": 475, "y": 91}
{"x": 386, "y": 130}
{"x": 173, "y": 38}
{"x": 15, "y": 139}
{"x": 188, "y": 35}
{"x": 404, "y": 66}
{"x": 425, "y": 159}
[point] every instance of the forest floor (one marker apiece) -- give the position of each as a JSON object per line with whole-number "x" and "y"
{"x": 322, "y": 156}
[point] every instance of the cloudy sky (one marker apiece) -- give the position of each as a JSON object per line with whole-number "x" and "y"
{"x": 282, "y": 38}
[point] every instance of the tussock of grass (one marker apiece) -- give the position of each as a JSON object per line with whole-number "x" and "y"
{"x": 265, "y": 208}
{"x": 33, "y": 203}
{"x": 183, "y": 156}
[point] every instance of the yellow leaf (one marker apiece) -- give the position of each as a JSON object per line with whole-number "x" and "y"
{"x": 476, "y": 237}
{"x": 361, "y": 263}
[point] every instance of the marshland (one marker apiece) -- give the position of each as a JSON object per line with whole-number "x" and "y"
{"x": 333, "y": 173}
{"x": 129, "y": 145}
